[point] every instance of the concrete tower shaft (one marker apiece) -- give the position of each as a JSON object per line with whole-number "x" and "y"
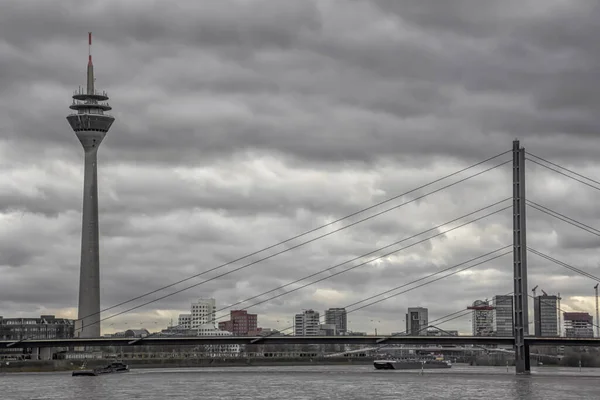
{"x": 90, "y": 124}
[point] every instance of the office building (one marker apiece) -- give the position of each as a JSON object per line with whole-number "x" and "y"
{"x": 339, "y": 318}
{"x": 240, "y": 323}
{"x": 417, "y": 321}
{"x": 44, "y": 327}
{"x": 503, "y": 316}
{"x": 90, "y": 123}
{"x": 545, "y": 315}
{"x": 307, "y": 324}
{"x": 578, "y": 324}
{"x": 482, "y": 318}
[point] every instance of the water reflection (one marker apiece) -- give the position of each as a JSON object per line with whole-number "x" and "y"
{"x": 523, "y": 387}
{"x": 306, "y": 382}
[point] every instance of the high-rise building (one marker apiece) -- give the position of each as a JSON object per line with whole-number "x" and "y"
{"x": 545, "y": 315}
{"x": 482, "y": 318}
{"x": 307, "y": 324}
{"x": 90, "y": 124}
{"x": 339, "y": 318}
{"x": 240, "y": 323}
{"x": 417, "y": 321}
{"x": 578, "y": 324}
{"x": 503, "y": 316}
{"x": 203, "y": 315}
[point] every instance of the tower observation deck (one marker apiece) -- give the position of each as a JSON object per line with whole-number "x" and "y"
{"x": 90, "y": 123}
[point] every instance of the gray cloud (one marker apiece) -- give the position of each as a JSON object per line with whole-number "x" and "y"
{"x": 241, "y": 124}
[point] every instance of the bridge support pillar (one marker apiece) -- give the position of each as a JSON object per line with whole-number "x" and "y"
{"x": 520, "y": 303}
{"x": 45, "y": 353}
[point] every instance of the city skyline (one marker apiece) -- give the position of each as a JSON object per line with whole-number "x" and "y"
{"x": 223, "y": 149}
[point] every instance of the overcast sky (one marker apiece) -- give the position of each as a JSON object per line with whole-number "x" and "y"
{"x": 241, "y": 123}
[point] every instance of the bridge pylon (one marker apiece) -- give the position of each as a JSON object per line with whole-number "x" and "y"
{"x": 521, "y": 318}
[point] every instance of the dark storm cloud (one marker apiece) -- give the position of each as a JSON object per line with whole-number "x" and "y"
{"x": 242, "y": 123}
{"x": 314, "y": 61}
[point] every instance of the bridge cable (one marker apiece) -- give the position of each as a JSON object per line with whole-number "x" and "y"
{"x": 365, "y": 262}
{"x": 595, "y": 325}
{"x": 563, "y": 264}
{"x": 437, "y": 279}
{"x": 298, "y": 245}
{"x": 420, "y": 285}
{"x": 561, "y": 167}
{"x": 359, "y": 265}
{"x": 446, "y": 318}
{"x": 464, "y": 313}
{"x": 567, "y": 266}
{"x": 368, "y": 254}
{"x": 564, "y": 218}
{"x": 562, "y": 173}
{"x": 327, "y": 225}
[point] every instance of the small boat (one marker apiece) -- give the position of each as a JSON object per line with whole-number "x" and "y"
{"x": 411, "y": 364}
{"x": 115, "y": 367}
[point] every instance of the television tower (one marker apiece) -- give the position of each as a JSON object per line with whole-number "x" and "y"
{"x": 90, "y": 124}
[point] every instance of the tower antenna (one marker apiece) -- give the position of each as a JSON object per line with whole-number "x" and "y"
{"x": 90, "y": 67}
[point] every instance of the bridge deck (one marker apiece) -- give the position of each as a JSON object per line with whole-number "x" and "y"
{"x": 245, "y": 340}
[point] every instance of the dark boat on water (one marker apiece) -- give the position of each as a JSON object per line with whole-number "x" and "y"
{"x": 411, "y": 364}
{"x": 115, "y": 367}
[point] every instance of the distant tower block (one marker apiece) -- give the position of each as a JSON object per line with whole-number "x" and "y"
{"x": 90, "y": 124}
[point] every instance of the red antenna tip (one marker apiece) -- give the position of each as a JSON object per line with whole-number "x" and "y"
{"x": 90, "y": 48}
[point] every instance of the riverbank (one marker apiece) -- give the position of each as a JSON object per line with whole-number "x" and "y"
{"x": 70, "y": 365}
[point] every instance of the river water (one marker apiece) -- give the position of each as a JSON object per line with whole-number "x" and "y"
{"x": 307, "y": 382}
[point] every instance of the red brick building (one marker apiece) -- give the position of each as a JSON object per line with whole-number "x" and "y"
{"x": 240, "y": 323}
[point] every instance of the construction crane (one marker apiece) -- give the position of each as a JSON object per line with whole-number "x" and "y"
{"x": 533, "y": 290}
{"x": 597, "y": 319}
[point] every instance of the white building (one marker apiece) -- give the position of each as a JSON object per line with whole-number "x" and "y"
{"x": 201, "y": 320}
{"x": 184, "y": 321}
{"x": 203, "y": 313}
{"x": 307, "y": 324}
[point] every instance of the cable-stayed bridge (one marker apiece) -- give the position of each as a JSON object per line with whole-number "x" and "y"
{"x": 519, "y": 249}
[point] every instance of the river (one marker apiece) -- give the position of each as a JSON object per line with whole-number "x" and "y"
{"x": 307, "y": 383}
